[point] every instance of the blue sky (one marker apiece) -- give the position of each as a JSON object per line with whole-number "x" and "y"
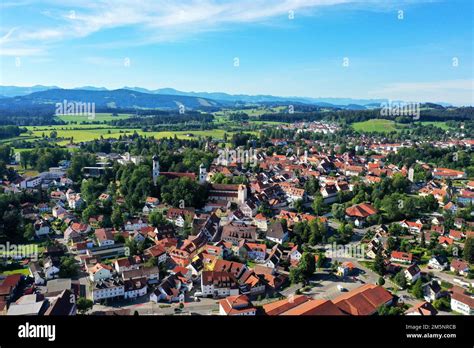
{"x": 287, "y": 48}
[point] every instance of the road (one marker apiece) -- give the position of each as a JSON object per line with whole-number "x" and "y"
{"x": 146, "y": 307}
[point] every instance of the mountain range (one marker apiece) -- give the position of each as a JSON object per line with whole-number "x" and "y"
{"x": 129, "y": 97}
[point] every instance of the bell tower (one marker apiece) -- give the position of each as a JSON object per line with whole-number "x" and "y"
{"x": 156, "y": 169}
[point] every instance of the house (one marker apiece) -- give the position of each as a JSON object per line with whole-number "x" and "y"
{"x": 438, "y": 262}
{"x": 329, "y": 193}
{"x": 359, "y": 213}
{"x": 134, "y": 288}
{"x": 456, "y": 235}
{"x": 236, "y": 305}
{"x": 466, "y": 197}
{"x": 462, "y": 301}
{"x": 253, "y": 251}
{"x": 413, "y": 227}
{"x": 236, "y": 233}
{"x": 294, "y": 255}
{"x": 151, "y": 274}
{"x": 422, "y": 308}
{"x": 364, "y": 300}
{"x": 274, "y": 257}
{"x": 100, "y": 271}
{"x": 261, "y": 222}
{"x": 412, "y": 273}
{"x": 9, "y": 286}
{"x": 171, "y": 289}
{"x": 157, "y": 251}
{"x": 50, "y": 268}
{"x": 345, "y": 269}
{"x": 445, "y": 241}
{"x": 179, "y": 216}
{"x": 30, "y": 305}
{"x": 219, "y": 284}
{"x": 107, "y": 289}
{"x": 400, "y": 256}
{"x": 127, "y": 264}
{"x": 276, "y": 233}
{"x": 41, "y": 228}
{"x": 104, "y": 237}
{"x": 432, "y": 291}
{"x": 301, "y": 305}
{"x": 36, "y": 271}
{"x": 62, "y": 304}
{"x": 459, "y": 266}
{"x": 446, "y": 173}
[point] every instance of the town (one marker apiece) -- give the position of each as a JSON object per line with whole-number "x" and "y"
{"x": 305, "y": 218}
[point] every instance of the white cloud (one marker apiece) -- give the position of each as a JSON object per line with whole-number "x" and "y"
{"x": 162, "y": 20}
{"x": 457, "y": 92}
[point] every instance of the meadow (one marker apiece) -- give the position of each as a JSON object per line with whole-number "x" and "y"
{"x": 387, "y": 126}
{"x": 376, "y": 125}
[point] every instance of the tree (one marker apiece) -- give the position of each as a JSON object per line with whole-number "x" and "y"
{"x": 321, "y": 260}
{"x": 381, "y": 281}
{"x": 156, "y": 219}
{"x": 318, "y": 204}
{"x": 29, "y": 232}
{"x": 400, "y": 279}
{"x": 338, "y": 211}
{"x": 84, "y": 304}
{"x": 117, "y": 217}
{"x": 418, "y": 289}
{"x": 298, "y": 205}
{"x": 468, "y": 251}
{"x": 379, "y": 263}
{"x": 68, "y": 267}
{"x": 296, "y": 275}
{"x": 307, "y": 264}
{"x": 119, "y": 238}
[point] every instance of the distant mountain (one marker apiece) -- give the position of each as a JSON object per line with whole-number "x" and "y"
{"x": 120, "y": 98}
{"x": 14, "y": 91}
{"x": 219, "y": 98}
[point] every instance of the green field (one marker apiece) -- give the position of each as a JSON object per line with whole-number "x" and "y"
{"x": 99, "y": 117}
{"x": 22, "y": 271}
{"x": 376, "y": 125}
{"x": 386, "y": 126}
{"x": 83, "y": 133}
{"x": 441, "y": 125}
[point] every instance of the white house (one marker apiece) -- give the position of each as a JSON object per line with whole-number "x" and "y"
{"x": 134, "y": 288}
{"x": 109, "y": 288}
{"x": 461, "y": 301}
{"x": 412, "y": 273}
{"x": 100, "y": 272}
{"x": 218, "y": 284}
{"x": 438, "y": 262}
{"x": 236, "y": 305}
{"x": 41, "y": 228}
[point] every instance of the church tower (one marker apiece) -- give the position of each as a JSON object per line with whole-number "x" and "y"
{"x": 202, "y": 174}
{"x": 156, "y": 169}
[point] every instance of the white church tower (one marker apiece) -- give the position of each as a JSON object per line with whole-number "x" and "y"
{"x": 202, "y": 174}
{"x": 156, "y": 169}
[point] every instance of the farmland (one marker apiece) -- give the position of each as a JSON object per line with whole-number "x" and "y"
{"x": 376, "y": 125}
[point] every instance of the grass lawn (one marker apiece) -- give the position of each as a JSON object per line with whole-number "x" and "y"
{"x": 441, "y": 125}
{"x": 24, "y": 271}
{"x": 99, "y": 117}
{"x": 376, "y": 125}
{"x": 92, "y": 132}
{"x": 23, "y": 249}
